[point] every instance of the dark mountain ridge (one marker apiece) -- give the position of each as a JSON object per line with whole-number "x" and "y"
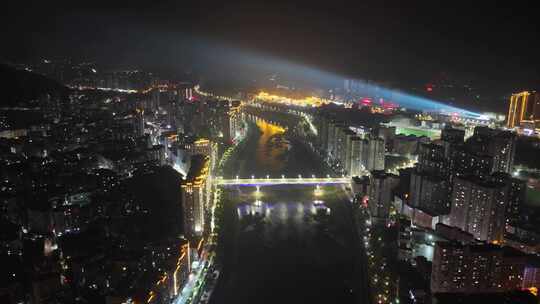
{"x": 24, "y": 88}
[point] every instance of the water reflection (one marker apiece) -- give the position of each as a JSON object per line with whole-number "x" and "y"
{"x": 271, "y": 147}
{"x": 282, "y": 220}
{"x": 282, "y": 212}
{"x": 269, "y": 151}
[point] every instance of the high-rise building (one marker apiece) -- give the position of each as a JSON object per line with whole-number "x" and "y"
{"x": 356, "y": 166}
{"x": 452, "y": 135}
{"x": 487, "y": 151}
{"x": 431, "y": 158}
{"x": 234, "y": 119}
{"x": 155, "y": 100}
{"x": 479, "y": 207}
{"x": 408, "y": 144}
{"x": 373, "y": 153}
{"x": 363, "y": 154}
{"x": 340, "y": 144}
{"x": 502, "y": 147}
{"x": 531, "y": 275}
{"x": 481, "y": 268}
{"x": 465, "y": 163}
{"x": 346, "y": 151}
{"x": 224, "y": 120}
{"x": 322, "y": 122}
{"x": 185, "y": 92}
{"x": 380, "y": 193}
{"x": 515, "y": 197}
{"x": 387, "y": 133}
{"x": 195, "y": 196}
{"x": 331, "y": 140}
{"x": 524, "y": 108}
{"x": 430, "y": 192}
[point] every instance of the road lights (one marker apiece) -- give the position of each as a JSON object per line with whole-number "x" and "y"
{"x": 258, "y": 192}
{"x": 318, "y": 191}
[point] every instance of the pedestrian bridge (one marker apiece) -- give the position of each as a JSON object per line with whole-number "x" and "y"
{"x": 282, "y": 181}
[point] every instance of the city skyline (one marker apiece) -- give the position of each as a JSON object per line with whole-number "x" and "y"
{"x": 417, "y": 42}
{"x": 250, "y": 152}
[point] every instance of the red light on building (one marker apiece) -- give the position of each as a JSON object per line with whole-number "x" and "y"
{"x": 366, "y": 102}
{"x": 389, "y": 106}
{"x": 365, "y": 201}
{"x": 429, "y": 89}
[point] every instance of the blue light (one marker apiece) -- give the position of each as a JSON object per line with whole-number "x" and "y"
{"x": 299, "y": 73}
{"x": 405, "y": 100}
{"x": 414, "y": 102}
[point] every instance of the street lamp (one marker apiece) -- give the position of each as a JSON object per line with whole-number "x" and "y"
{"x": 318, "y": 191}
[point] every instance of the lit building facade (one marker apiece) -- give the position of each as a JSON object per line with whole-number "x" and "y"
{"x": 524, "y": 108}
{"x": 503, "y": 149}
{"x": 233, "y": 122}
{"x": 196, "y": 192}
{"x": 356, "y": 166}
{"x": 373, "y": 153}
{"x": 482, "y": 268}
{"x": 515, "y": 196}
{"x": 201, "y": 146}
{"x": 430, "y": 192}
{"x": 380, "y": 193}
{"x": 431, "y": 158}
{"x": 479, "y": 207}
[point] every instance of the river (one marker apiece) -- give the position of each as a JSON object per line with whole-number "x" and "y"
{"x": 269, "y": 150}
{"x": 287, "y": 243}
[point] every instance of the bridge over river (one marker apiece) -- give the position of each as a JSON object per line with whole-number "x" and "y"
{"x": 282, "y": 181}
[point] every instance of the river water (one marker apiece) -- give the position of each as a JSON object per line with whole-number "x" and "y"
{"x": 269, "y": 150}
{"x": 292, "y": 243}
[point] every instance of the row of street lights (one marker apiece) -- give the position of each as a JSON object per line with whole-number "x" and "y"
{"x": 299, "y": 176}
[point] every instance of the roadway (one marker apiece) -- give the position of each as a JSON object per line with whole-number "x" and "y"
{"x": 197, "y": 285}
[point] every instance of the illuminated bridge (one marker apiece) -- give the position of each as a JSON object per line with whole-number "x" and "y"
{"x": 282, "y": 181}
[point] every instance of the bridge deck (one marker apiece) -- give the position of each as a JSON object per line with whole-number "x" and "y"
{"x": 282, "y": 181}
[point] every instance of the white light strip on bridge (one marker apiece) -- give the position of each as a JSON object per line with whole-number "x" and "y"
{"x": 281, "y": 181}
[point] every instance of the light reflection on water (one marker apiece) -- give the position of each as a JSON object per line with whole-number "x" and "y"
{"x": 271, "y": 146}
{"x": 283, "y": 219}
{"x": 268, "y": 150}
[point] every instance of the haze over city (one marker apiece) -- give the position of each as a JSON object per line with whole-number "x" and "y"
{"x": 178, "y": 152}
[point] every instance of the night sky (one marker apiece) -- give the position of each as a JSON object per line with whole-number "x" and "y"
{"x": 493, "y": 47}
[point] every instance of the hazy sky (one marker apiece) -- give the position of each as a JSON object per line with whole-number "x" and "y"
{"x": 413, "y": 41}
